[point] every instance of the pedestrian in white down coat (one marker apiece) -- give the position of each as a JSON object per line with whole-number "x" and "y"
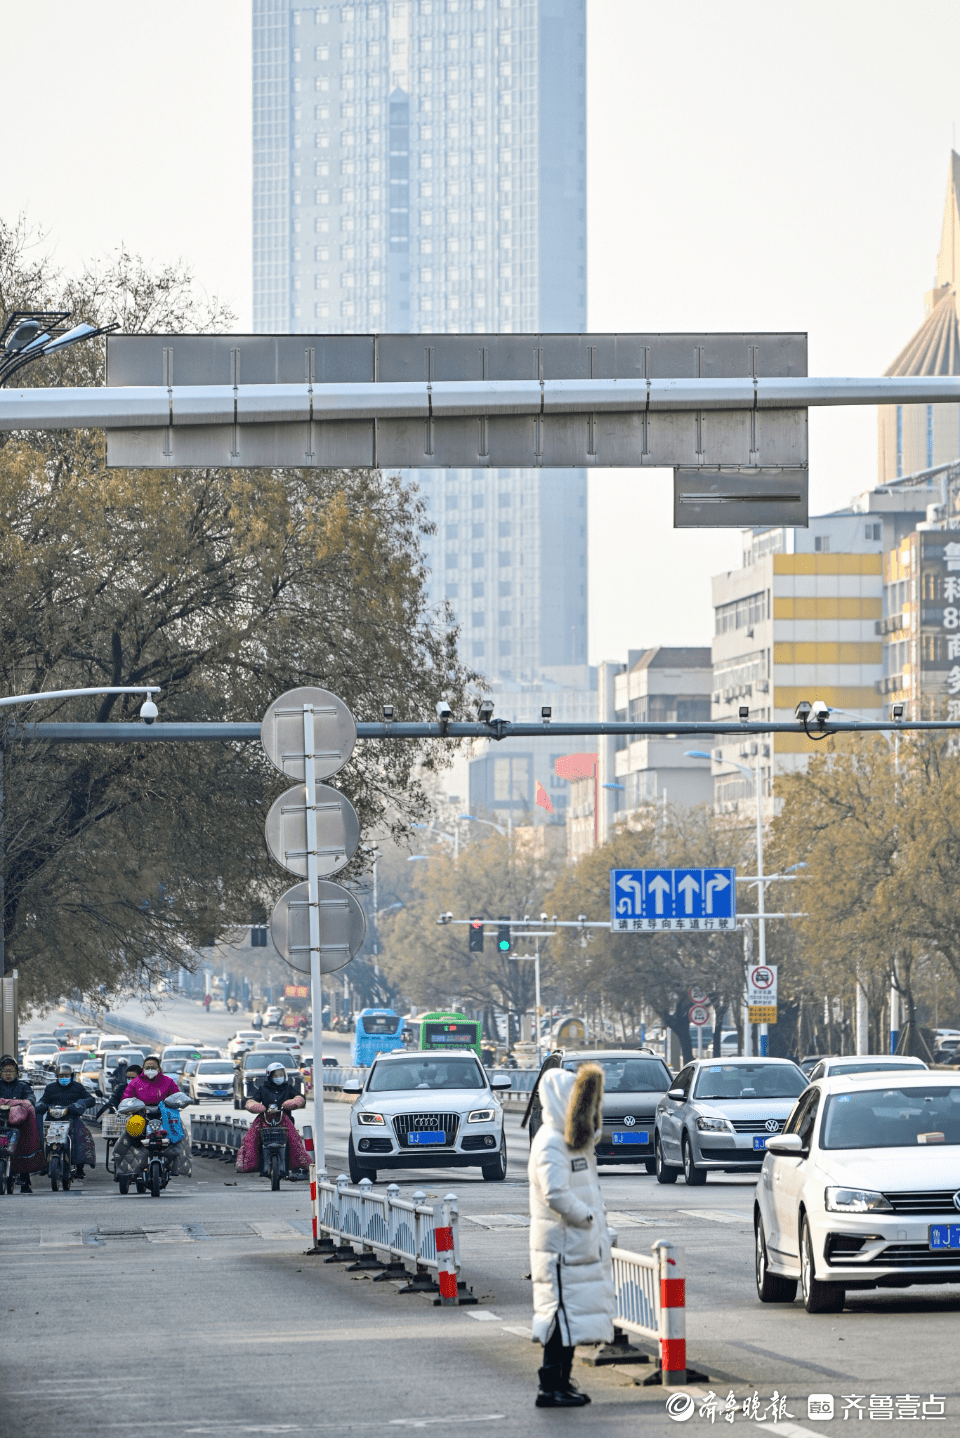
{"x": 570, "y": 1263}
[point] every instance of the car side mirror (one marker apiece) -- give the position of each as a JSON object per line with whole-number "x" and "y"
{"x": 675, "y": 1093}
{"x": 788, "y": 1144}
{"x": 353, "y": 1086}
{"x": 501, "y": 1081}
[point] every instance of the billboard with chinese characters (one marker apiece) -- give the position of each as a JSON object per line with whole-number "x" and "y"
{"x": 921, "y": 625}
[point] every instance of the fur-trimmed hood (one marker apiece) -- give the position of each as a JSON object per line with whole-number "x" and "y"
{"x": 571, "y": 1104}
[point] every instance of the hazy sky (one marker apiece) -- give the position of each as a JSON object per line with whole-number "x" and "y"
{"x": 758, "y": 166}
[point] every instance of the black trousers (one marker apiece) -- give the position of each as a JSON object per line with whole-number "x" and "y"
{"x": 557, "y": 1361}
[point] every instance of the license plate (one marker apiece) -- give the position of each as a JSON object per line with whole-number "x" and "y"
{"x": 760, "y": 1142}
{"x": 631, "y": 1135}
{"x": 945, "y": 1236}
{"x": 434, "y": 1136}
{"x": 57, "y": 1132}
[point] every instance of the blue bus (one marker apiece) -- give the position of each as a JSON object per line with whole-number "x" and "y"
{"x": 378, "y": 1031}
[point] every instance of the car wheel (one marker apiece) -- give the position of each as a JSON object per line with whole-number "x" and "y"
{"x": 665, "y": 1174}
{"x": 650, "y": 1164}
{"x": 496, "y": 1172}
{"x": 817, "y": 1297}
{"x": 693, "y": 1177}
{"x": 771, "y": 1288}
{"x": 356, "y": 1172}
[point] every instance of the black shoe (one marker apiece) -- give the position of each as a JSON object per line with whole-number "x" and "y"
{"x": 559, "y": 1398}
{"x": 78, "y": 1171}
{"x": 26, "y": 1186}
{"x": 570, "y": 1387}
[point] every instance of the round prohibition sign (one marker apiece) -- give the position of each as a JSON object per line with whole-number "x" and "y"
{"x": 699, "y": 1014}
{"x": 761, "y": 977}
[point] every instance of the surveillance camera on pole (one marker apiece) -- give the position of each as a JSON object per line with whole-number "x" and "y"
{"x": 149, "y": 711}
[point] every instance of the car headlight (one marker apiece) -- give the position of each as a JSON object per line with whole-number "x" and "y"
{"x": 366, "y": 1118}
{"x": 713, "y": 1125}
{"x": 854, "y": 1200}
{"x": 482, "y": 1115}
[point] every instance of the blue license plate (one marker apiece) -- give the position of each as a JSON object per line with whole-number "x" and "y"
{"x": 631, "y": 1136}
{"x": 945, "y": 1235}
{"x": 434, "y": 1136}
{"x": 760, "y": 1142}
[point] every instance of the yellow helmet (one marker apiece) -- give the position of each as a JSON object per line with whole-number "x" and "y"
{"x": 136, "y": 1124}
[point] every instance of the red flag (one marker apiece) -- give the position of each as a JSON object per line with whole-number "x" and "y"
{"x": 543, "y": 798}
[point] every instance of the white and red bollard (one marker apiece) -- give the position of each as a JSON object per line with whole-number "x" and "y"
{"x": 314, "y": 1206}
{"x": 446, "y": 1257}
{"x": 673, "y": 1313}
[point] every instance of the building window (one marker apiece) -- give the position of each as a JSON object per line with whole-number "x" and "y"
{"x": 821, "y": 544}
{"x": 505, "y": 589}
{"x": 743, "y": 613}
{"x": 477, "y": 559}
{"x": 931, "y": 648}
{"x": 478, "y": 648}
{"x": 478, "y": 589}
{"x": 503, "y": 558}
{"x": 453, "y": 531}
{"x": 874, "y": 531}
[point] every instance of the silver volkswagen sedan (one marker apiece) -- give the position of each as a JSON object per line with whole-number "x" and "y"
{"x": 719, "y": 1113}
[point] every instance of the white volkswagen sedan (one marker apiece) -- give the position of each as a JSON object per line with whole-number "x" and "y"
{"x": 861, "y": 1190}
{"x": 427, "y": 1110}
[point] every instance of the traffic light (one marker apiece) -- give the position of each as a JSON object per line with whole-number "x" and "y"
{"x": 476, "y": 936}
{"x": 504, "y": 944}
{"x": 258, "y": 936}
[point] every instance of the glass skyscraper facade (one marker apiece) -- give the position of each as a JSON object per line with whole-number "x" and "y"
{"x": 419, "y": 165}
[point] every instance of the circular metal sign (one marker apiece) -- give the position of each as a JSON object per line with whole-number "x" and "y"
{"x": 343, "y": 925}
{"x": 698, "y": 994}
{"x": 282, "y": 732}
{"x": 699, "y": 1015}
{"x": 338, "y": 830}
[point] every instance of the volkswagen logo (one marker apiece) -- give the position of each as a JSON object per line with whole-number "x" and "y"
{"x": 630, "y": 1121}
{"x": 956, "y": 1199}
{"x": 772, "y": 1125}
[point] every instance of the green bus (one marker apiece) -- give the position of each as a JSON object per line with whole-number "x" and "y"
{"x": 450, "y": 1031}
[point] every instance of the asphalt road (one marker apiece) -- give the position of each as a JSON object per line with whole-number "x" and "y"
{"x": 200, "y": 1313}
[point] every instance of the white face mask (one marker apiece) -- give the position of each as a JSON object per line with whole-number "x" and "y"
{"x": 277, "y": 1078}
{"x": 151, "y": 1073}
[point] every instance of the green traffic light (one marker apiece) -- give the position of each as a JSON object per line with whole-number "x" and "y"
{"x": 504, "y": 945}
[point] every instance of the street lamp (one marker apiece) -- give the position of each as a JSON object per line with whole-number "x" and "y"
{"x": 445, "y": 834}
{"x": 489, "y": 822}
{"x": 30, "y": 335}
{"x": 754, "y": 778}
{"x": 148, "y": 712}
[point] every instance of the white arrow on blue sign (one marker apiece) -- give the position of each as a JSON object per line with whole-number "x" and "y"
{"x": 651, "y": 900}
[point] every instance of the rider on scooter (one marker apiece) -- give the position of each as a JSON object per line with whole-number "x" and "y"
{"x": 275, "y": 1091}
{"x": 16, "y": 1095}
{"x": 151, "y": 1087}
{"x": 67, "y": 1092}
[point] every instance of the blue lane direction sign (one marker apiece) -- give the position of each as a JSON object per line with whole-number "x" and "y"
{"x": 651, "y": 900}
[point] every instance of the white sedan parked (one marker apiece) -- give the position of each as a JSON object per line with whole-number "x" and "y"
{"x": 861, "y": 1190}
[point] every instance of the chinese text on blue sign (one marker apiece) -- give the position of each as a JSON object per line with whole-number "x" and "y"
{"x": 651, "y": 900}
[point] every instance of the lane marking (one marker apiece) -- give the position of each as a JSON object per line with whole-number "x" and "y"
{"x": 276, "y": 1228}
{"x": 716, "y": 1215}
{"x": 483, "y": 1315}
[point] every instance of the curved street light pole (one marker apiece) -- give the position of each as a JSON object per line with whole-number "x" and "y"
{"x": 30, "y": 335}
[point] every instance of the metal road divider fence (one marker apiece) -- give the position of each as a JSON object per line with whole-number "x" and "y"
{"x": 651, "y": 1302}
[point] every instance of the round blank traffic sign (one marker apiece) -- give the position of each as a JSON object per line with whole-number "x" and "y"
{"x": 343, "y": 925}
{"x": 334, "y": 732}
{"x": 338, "y": 830}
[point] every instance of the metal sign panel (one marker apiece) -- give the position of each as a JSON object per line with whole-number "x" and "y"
{"x": 762, "y": 984}
{"x": 338, "y": 830}
{"x": 334, "y": 731}
{"x": 730, "y": 498}
{"x": 653, "y": 900}
{"x": 732, "y": 438}
{"x": 342, "y": 927}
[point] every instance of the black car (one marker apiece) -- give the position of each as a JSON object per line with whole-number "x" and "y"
{"x": 633, "y": 1082}
{"x": 254, "y": 1064}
